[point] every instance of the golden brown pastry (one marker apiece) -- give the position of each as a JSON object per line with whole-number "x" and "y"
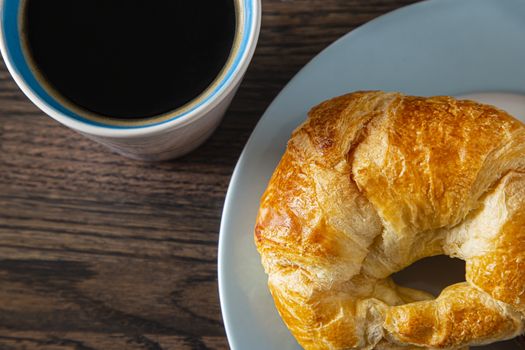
{"x": 374, "y": 181}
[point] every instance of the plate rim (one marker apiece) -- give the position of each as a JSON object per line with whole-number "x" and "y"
{"x": 226, "y": 213}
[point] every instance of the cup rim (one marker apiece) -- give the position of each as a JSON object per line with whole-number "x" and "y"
{"x": 252, "y": 14}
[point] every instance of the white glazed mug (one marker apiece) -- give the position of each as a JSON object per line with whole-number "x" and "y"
{"x": 157, "y": 138}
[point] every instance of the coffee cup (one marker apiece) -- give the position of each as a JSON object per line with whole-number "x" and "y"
{"x": 175, "y": 125}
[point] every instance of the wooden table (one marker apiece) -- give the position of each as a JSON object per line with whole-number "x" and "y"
{"x": 101, "y": 252}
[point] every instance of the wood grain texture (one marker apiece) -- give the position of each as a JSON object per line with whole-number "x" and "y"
{"x": 101, "y": 252}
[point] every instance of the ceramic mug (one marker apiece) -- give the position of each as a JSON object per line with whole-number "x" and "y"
{"x": 167, "y": 136}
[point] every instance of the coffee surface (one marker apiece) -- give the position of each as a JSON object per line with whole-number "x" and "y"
{"x": 129, "y": 58}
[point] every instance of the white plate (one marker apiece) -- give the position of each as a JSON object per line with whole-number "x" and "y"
{"x": 438, "y": 47}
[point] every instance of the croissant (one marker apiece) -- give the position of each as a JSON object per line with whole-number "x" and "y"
{"x": 375, "y": 181}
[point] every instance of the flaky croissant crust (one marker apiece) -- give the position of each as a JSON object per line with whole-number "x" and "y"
{"x": 374, "y": 181}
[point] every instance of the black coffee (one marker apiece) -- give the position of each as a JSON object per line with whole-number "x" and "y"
{"x": 130, "y": 58}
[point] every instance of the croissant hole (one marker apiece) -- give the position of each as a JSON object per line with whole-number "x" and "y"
{"x": 432, "y": 274}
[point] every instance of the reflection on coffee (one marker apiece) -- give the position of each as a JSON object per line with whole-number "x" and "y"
{"x": 127, "y": 58}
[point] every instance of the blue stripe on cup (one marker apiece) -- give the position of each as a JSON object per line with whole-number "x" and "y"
{"x": 10, "y": 29}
